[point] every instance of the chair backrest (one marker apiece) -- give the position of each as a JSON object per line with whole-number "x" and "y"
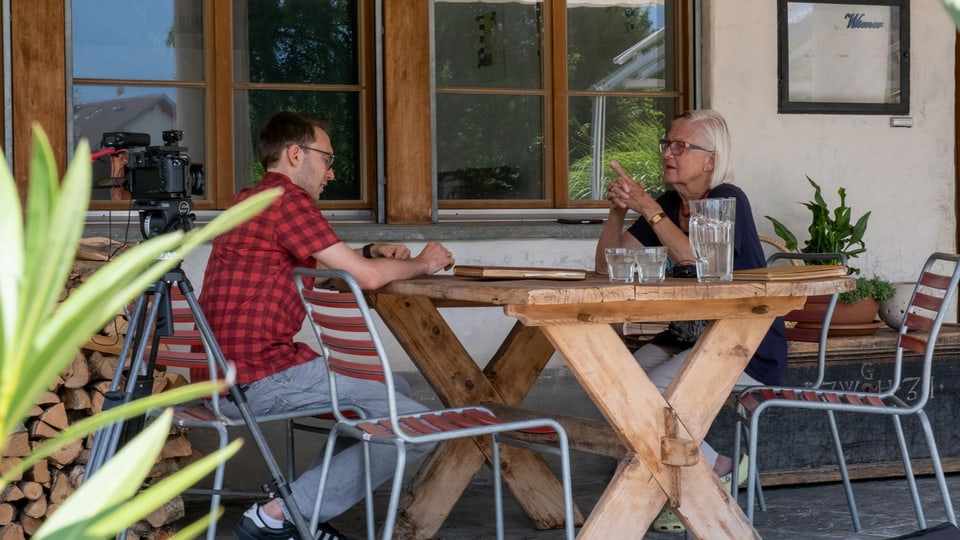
{"x": 185, "y": 346}
{"x": 343, "y": 326}
{"x": 348, "y": 346}
{"x": 924, "y": 316}
{"x": 811, "y": 323}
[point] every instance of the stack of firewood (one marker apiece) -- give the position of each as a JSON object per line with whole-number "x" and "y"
{"x": 76, "y": 394}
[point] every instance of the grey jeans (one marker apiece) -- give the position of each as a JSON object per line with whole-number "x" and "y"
{"x": 305, "y": 387}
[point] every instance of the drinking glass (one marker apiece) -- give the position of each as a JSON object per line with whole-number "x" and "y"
{"x": 711, "y": 237}
{"x": 651, "y": 264}
{"x": 620, "y": 263}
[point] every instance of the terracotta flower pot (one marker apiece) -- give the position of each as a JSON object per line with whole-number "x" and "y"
{"x": 857, "y": 319}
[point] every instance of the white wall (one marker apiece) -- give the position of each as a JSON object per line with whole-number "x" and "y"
{"x": 905, "y": 176}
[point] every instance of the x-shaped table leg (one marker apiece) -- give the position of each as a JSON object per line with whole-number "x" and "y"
{"x": 635, "y": 409}
{"x": 457, "y": 380}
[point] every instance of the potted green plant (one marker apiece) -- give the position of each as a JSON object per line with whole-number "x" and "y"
{"x": 835, "y": 231}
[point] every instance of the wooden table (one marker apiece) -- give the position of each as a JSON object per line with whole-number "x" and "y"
{"x": 660, "y": 432}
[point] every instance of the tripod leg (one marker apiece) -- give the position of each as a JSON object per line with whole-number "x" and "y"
{"x": 98, "y": 454}
{"x": 139, "y": 382}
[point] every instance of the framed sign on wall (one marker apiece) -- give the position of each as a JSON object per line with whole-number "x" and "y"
{"x": 849, "y": 57}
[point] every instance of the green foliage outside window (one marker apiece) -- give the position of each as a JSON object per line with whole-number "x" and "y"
{"x": 487, "y": 128}
{"x": 307, "y": 43}
{"x": 635, "y": 146}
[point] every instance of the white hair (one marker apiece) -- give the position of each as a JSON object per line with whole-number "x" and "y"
{"x": 713, "y": 129}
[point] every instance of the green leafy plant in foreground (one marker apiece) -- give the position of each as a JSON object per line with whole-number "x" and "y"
{"x": 38, "y": 339}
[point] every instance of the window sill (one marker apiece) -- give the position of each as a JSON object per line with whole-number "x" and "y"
{"x": 118, "y": 229}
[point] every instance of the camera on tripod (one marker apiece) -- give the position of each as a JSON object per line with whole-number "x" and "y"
{"x": 160, "y": 179}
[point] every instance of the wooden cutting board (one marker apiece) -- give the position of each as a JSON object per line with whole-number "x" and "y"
{"x": 778, "y": 273}
{"x": 518, "y": 272}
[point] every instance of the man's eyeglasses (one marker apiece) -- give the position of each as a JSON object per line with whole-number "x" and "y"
{"x": 677, "y": 147}
{"x": 329, "y": 155}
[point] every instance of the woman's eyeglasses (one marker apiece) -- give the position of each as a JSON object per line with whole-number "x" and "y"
{"x": 677, "y": 147}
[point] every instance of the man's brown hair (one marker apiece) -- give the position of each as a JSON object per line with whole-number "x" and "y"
{"x": 284, "y": 129}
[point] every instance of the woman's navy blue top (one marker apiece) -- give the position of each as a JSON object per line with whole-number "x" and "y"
{"x": 770, "y": 360}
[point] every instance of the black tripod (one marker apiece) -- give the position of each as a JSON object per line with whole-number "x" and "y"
{"x": 153, "y": 311}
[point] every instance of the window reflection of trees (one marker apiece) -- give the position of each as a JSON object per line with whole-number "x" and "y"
{"x": 630, "y": 126}
{"x": 492, "y": 124}
{"x": 299, "y": 45}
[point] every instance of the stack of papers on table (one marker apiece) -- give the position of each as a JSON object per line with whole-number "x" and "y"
{"x": 783, "y": 273}
{"x": 518, "y": 272}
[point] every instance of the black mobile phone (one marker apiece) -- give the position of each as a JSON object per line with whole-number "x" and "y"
{"x": 568, "y": 221}
{"x": 684, "y": 270}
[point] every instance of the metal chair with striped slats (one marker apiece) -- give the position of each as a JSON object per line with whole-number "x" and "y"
{"x": 350, "y": 349}
{"x": 401, "y": 430}
{"x": 809, "y": 324}
{"x": 918, "y": 335}
{"x": 186, "y": 348}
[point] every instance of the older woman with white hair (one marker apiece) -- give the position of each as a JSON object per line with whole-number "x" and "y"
{"x": 696, "y": 165}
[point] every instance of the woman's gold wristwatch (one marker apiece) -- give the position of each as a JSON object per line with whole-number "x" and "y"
{"x": 657, "y": 218}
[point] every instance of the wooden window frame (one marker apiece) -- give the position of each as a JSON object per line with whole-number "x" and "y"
{"x": 416, "y": 203}
{"x": 219, "y": 86}
{"x": 408, "y": 181}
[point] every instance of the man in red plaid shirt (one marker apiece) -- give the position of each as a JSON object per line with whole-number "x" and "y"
{"x": 252, "y": 305}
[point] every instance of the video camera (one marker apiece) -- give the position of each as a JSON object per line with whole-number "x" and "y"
{"x": 160, "y": 179}
{"x": 158, "y": 172}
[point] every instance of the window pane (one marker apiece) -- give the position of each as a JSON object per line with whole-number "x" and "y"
{"x": 255, "y": 107}
{"x": 623, "y": 128}
{"x": 489, "y": 45}
{"x": 634, "y": 53}
{"x": 151, "y": 110}
{"x": 296, "y": 42}
{"x": 155, "y": 40}
{"x": 490, "y": 147}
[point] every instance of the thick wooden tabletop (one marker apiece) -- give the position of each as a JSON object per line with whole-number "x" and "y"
{"x": 597, "y": 288}
{"x": 595, "y": 299}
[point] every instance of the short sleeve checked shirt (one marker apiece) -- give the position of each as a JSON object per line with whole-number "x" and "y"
{"x": 248, "y": 294}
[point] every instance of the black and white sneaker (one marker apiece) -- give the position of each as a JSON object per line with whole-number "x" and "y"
{"x": 252, "y": 527}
